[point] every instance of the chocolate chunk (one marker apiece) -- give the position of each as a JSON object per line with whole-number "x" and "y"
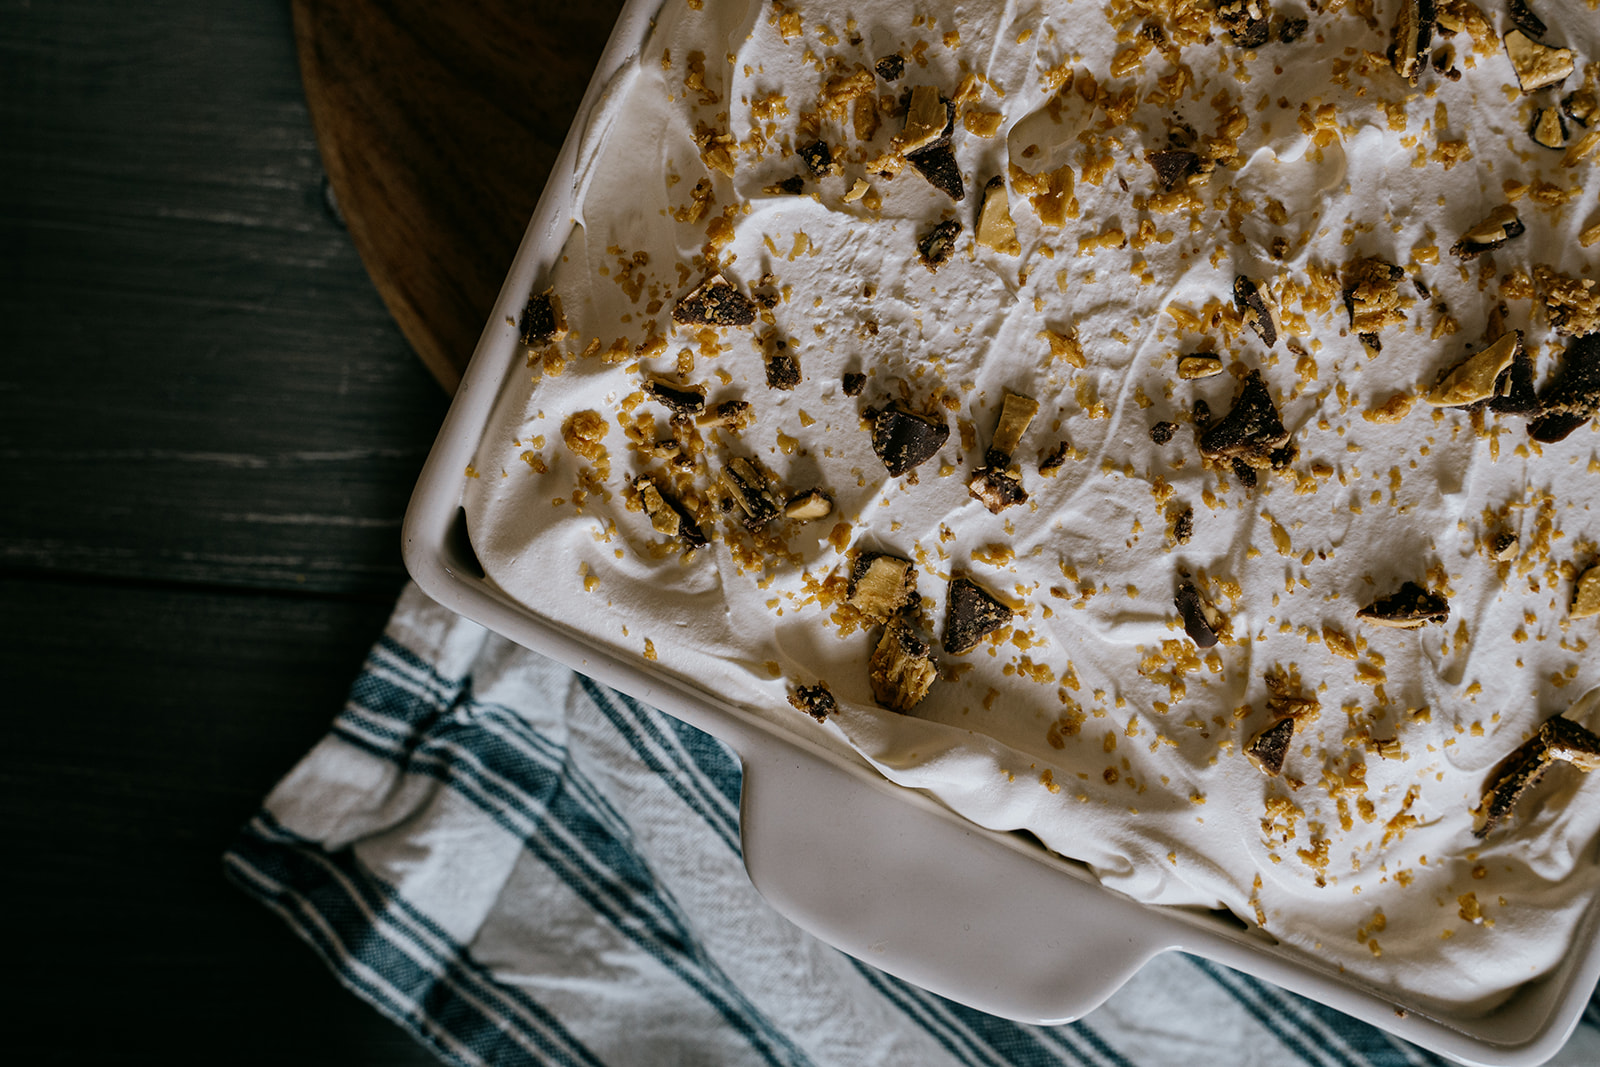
{"x": 901, "y": 670}
{"x": 1257, "y": 311}
{"x": 904, "y": 439}
{"x": 1248, "y": 22}
{"x": 853, "y": 383}
{"x": 1269, "y": 748}
{"x": 1514, "y": 393}
{"x": 881, "y": 584}
{"x": 1162, "y": 432}
{"x": 748, "y": 488}
{"x": 996, "y": 488}
{"x": 971, "y": 614}
{"x": 1524, "y": 19}
{"x": 683, "y": 399}
{"x": 1573, "y": 398}
{"x": 791, "y": 186}
{"x": 1411, "y": 607}
{"x": 1172, "y": 165}
{"x": 815, "y": 700}
{"x": 890, "y": 67}
{"x": 1413, "y": 35}
{"x": 818, "y": 159}
{"x": 935, "y": 246}
{"x": 542, "y": 320}
{"x": 1200, "y": 414}
{"x": 714, "y": 302}
{"x": 1183, "y": 526}
{"x": 1292, "y": 30}
{"x": 1244, "y": 472}
{"x": 1504, "y": 548}
{"x": 1498, "y": 227}
{"x": 1053, "y": 459}
{"x": 1548, "y": 128}
{"x": 937, "y": 163}
{"x": 1200, "y": 620}
{"x": 811, "y": 504}
{"x": 1251, "y": 432}
{"x": 1558, "y": 740}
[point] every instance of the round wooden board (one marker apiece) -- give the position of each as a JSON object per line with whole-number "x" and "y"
{"x": 438, "y": 125}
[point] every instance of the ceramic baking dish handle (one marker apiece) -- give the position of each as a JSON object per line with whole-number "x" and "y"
{"x": 905, "y": 888}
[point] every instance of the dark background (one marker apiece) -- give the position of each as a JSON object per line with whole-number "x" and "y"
{"x": 209, "y": 428}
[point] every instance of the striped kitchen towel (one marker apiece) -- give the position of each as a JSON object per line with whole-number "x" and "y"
{"x": 521, "y": 866}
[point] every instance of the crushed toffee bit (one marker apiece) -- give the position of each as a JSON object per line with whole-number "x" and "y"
{"x": 714, "y": 302}
{"x": 1199, "y": 365}
{"x": 881, "y": 584}
{"x": 1269, "y": 748}
{"x": 1183, "y": 525}
{"x": 1413, "y": 36}
{"x": 682, "y": 399}
{"x": 1581, "y": 107}
{"x": 748, "y": 487}
{"x": 971, "y": 614}
{"x": 1548, "y": 128}
{"x": 809, "y": 505}
{"x": 1504, "y": 547}
{"x": 1201, "y": 621}
{"x": 935, "y": 247}
{"x": 1409, "y": 608}
{"x": 1248, "y": 22}
{"x": 1251, "y": 434}
{"x": 1573, "y": 397}
{"x": 1498, "y": 227}
{"x": 996, "y": 229}
{"x": 1173, "y": 165}
{"x": 1257, "y": 309}
{"x": 1478, "y": 377}
{"x": 901, "y": 670}
{"x": 815, "y": 700}
{"x": 1558, "y": 740}
{"x": 1536, "y": 65}
{"x": 905, "y": 439}
{"x": 1372, "y": 297}
{"x": 1162, "y": 432}
{"x": 667, "y": 514}
{"x": 891, "y": 67}
{"x": 1016, "y": 415}
{"x": 925, "y": 120}
{"x": 818, "y": 158}
{"x": 853, "y": 382}
{"x": 1586, "y": 594}
{"x": 542, "y": 320}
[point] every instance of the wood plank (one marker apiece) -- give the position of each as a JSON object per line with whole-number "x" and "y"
{"x": 147, "y": 724}
{"x": 201, "y": 383}
{"x": 439, "y": 124}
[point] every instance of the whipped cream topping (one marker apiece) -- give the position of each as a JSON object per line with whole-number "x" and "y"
{"x": 1093, "y": 722}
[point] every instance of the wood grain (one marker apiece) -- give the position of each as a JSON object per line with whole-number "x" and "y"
{"x": 438, "y": 125}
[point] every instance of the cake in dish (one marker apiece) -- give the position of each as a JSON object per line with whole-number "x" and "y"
{"x": 1164, "y": 428}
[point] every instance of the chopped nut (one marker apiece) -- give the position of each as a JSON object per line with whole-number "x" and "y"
{"x": 995, "y": 227}
{"x": 1500, "y": 226}
{"x": 1586, "y": 594}
{"x": 1412, "y": 606}
{"x": 714, "y": 302}
{"x": 811, "y": 504}
{"x": 1270, "y": 748}
{"x": 815, "y": 700}
{"x": 857, "y": 191}
{"x": 935, "y": 247}
{"x": 904, "y": 439}
{"x": 971, "y": 614}
{"x": 901, "y": 670}
{"x": 1475, "y": 377}
{"x": 1558, "y": 739}
{"x": 1536, "y": 65}
{"x": 881, "y": 585}
{"x": 1199, "y": 365}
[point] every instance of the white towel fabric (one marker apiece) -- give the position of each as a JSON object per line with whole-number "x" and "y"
{"x": 521, "y": 866}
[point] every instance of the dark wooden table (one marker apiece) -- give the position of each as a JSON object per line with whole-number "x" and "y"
{"x": 209, "y": 427}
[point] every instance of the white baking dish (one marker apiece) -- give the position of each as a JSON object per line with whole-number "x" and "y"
{"x": 884, "y": 873}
